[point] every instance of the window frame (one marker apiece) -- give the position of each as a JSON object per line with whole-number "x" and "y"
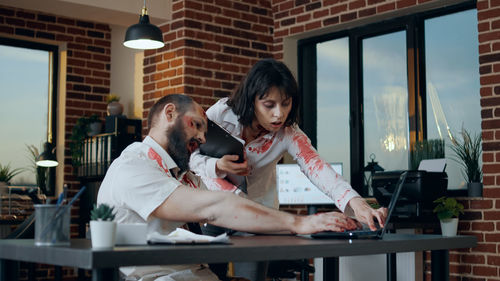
{"x": 413, "y": 24}
{"x": 52, "y": 92}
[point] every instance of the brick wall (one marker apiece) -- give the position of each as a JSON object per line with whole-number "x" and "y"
{"x": 212, "y": 44}
{"x": 88, "y": 74}
{"x": 484, "y": 260}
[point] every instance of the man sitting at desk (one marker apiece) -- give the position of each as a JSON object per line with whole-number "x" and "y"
{"x": 151, "y": 183}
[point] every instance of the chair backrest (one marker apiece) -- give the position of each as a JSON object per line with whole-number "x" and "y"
{"x": 27, "y": 228}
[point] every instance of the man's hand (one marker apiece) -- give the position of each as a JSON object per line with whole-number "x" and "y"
{"x": 366, "y": 214}
{"x": 226, "y": 164}
{"x": 331, "y": 221}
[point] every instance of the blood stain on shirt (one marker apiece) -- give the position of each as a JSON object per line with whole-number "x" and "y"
{"x": 342, "y": 197}
{"x": 188, "y": 181}
{"x": 311, "y": 157}
{"x": 156, "y": 157}
{"x": 225, "y": 185}
{"x": 261, "y": 148}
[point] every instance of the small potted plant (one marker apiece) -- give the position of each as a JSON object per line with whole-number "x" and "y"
{"x": 6, "y": 174}
{"x": 468, "y": 154}
{"x": 114, "y": 105}
{"x": 102, "y": 226}
{"x": 448, "y": 210}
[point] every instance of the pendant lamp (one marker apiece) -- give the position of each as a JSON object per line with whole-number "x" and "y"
{"x": 143, "y": 35}
{"x": 47, "y": 158}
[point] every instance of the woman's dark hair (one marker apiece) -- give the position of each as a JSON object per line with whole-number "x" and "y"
{"x": 263, "y": 76}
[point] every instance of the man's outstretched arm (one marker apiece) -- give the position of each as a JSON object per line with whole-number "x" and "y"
{"x": 228, "y": 210}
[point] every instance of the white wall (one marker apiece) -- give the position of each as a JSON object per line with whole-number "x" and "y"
{"x": 126, "y": 73}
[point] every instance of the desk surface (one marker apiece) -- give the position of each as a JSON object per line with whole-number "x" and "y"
{"x": 253, "y": 248}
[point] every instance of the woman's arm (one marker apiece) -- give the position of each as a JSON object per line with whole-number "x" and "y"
{"x": 327, "y": 180}
{"x": 319, "y": 172}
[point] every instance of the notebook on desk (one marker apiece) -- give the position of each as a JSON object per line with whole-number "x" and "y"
{"x": 367, "y": 234}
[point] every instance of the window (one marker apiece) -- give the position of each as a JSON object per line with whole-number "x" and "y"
{"x": 333, "y": 102}
{"x": 452, "y": 82}
{"x": 385, "y": 100}
{"x": 26, "y": 110}
{"x": 373, "y": 89}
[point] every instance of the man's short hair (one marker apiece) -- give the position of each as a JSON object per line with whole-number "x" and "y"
{"x": 182, "y": 103}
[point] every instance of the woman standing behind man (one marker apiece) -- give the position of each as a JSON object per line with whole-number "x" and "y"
{"x": 263, "y": 112}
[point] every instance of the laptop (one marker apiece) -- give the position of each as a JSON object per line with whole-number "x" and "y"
{"x": 367, "y": 234}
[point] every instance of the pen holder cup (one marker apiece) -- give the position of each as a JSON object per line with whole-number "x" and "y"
{"x": 52, "y": 225}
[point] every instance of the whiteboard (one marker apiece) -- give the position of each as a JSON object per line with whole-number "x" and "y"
{"x": 294, "y": 188}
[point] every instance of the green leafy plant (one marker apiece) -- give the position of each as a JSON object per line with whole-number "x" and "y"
{"x": 111, "y": 98}
{"x": 94, "y": 118}
{"x": 448, "y": 208}
{"x": 468, "y": 152}
{"x": 103, "y": 212}
{"x": 79, "y": 132}
{"x": 40, "y": 172}
{"x": 426, "y": 149}
{"x": 7, "y": 173}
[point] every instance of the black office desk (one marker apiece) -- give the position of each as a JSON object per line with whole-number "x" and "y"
{"x": 104, "y": 263}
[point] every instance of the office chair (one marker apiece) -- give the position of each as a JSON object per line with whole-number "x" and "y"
{"x": 282, "y": 269}
{"x": 27, "y": 228}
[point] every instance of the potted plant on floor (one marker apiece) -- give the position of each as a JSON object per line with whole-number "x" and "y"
{"x": 448, "y": 210}
{"x": 468, "y": 154}
{"x": 102, "y": 226}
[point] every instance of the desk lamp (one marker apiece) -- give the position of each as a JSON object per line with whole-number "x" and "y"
{"x": 372, "y": 167}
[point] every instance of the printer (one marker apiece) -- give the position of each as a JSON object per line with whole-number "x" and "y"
{"x": 419, "y": 191}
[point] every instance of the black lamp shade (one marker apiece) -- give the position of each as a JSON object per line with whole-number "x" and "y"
{"x": 47, "y": 158}
{"x": 143, "y": 35}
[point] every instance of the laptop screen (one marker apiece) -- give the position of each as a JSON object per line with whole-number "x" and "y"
{"x": 294, "y": 188}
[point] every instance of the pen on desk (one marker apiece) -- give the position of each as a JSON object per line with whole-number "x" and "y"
{"x": 62, "y": 196}
{"x": 60, "y": 199}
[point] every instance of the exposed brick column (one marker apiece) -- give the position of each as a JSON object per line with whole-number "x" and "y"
{"x": 210, "y": 45}
{"x": 484, "y": 260}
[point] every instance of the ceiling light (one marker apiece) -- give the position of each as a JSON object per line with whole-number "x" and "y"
{"x": 143, "y": 35}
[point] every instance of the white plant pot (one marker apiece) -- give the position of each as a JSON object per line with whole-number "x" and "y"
{"x": 103, "y": 234}
{"x": 449, "y": 227}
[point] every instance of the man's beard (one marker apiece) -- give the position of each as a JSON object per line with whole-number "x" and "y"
{"x": 177, "y": 145}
